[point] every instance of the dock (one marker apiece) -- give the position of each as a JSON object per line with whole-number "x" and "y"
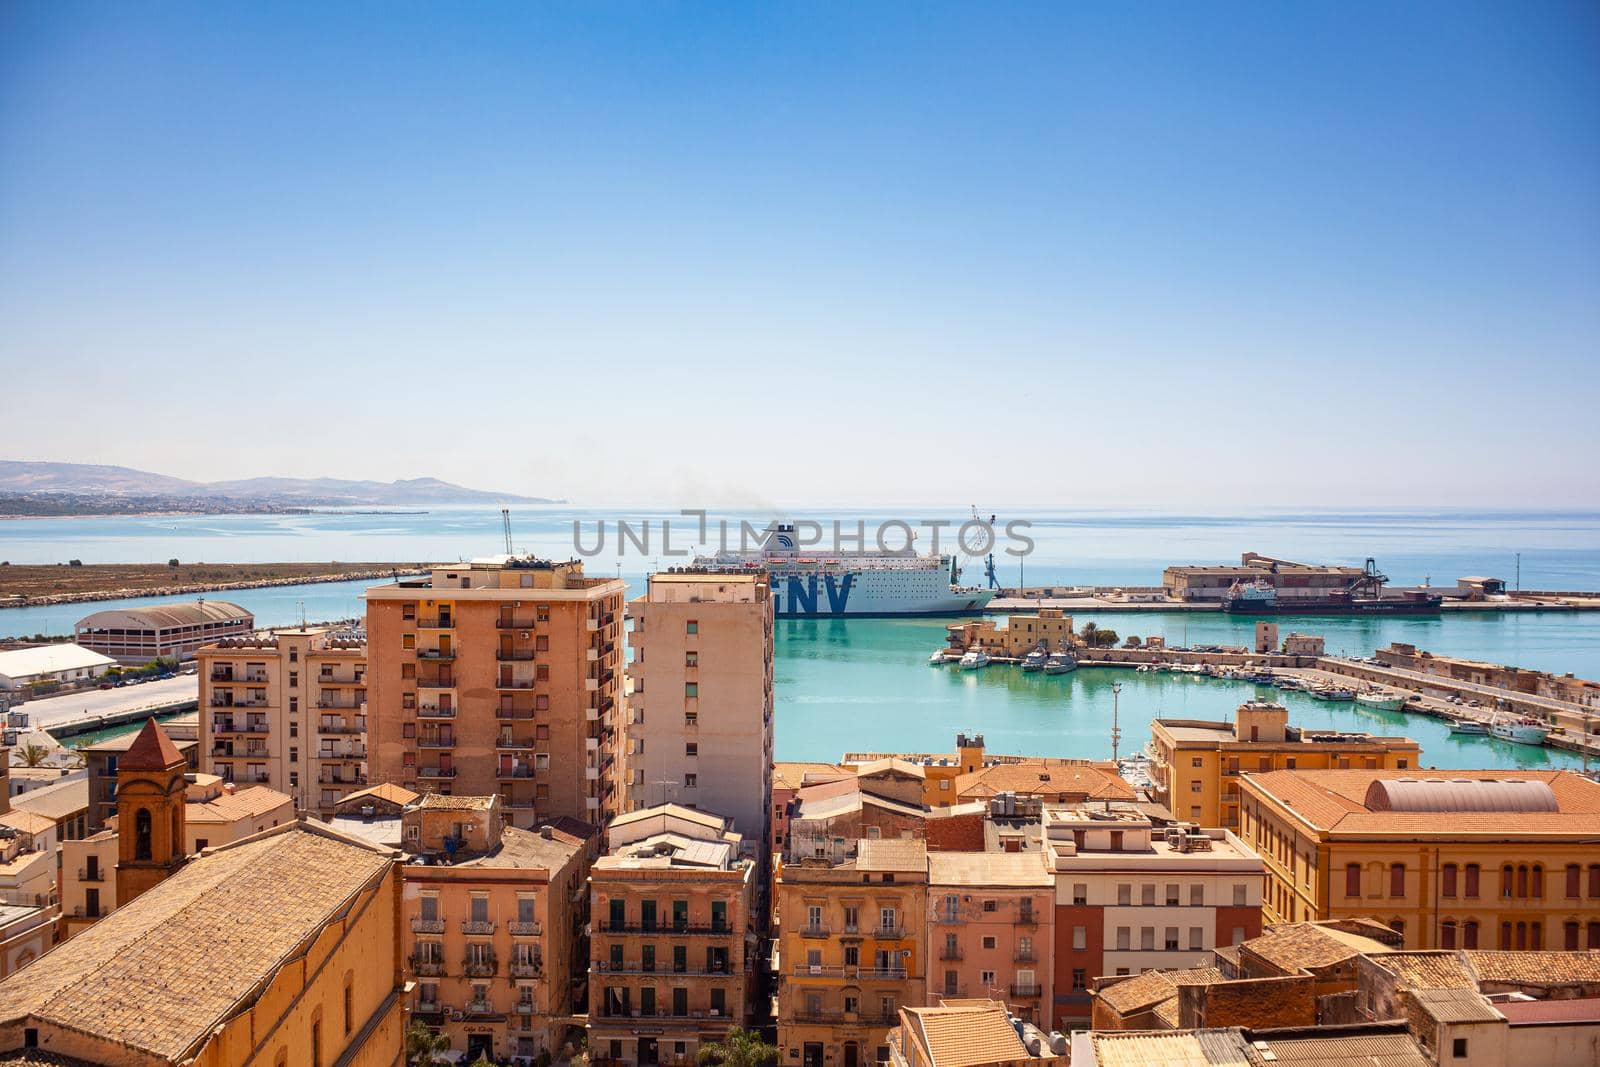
{"x": 1109, "y": 599}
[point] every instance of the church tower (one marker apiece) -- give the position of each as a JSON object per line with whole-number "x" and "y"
{"x": 150, "y": 812}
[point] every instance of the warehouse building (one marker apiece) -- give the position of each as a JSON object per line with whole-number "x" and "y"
{"x": 138, "y": 635}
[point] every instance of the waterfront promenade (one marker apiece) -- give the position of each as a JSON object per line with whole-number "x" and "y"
{"x": 89, "y": 709}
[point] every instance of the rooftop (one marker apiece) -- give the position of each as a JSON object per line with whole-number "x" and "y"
{"x": 1534, "y": 968}
{"x": 46, "y": 659}
{"x": 526, "y": 850}
{"x": 966, "y": 1035}
{"x": 1093, "y": 781}
{"x": 164, "y": 616}
{"x": 389, "y": 791}
{"x": 793, "y": 775}
{"x": 1341, "y": 802}
{"x": 1292, "y": 947}
{"x": 892, "y": 855}
{"x": 1440, "y": 969}
{"x": 1001, "y": 869}
{"x": 676, "y": 811}
{"x": 1535, "y": 1012}
{"x": 670, "y": 851}
{"x": 441, "y": 802}
{"x": 152, "y": 750}
{"x": 132, "y": 977}
{"x": 1144, "y": 991}
{"x": 1381, "y": 1045}
{"x": 57, "y": 802}
{"x": 1451, "y": 1006}
{"x": 248, "y": 803}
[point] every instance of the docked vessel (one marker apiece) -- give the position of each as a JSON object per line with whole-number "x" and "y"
{"x": 1035, "y": 660}
{"x": 973, "y": 659}
{"x": 938, "y": 659}
{"x": 1326, "y": 691}
{"x": 1260, "y": 597}
{"x": 1381, "y": 700}
{"x": 1469, "y": 726}
{"x": 1060, "y": 663}
{"x": 1518, "y": 728}
{"x": 808, "y": 583}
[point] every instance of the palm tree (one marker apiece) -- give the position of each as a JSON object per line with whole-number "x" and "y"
{"x": 424, "y": 1046}
{"x": 34, "y": 755}
{"x": 741, "y": 1048}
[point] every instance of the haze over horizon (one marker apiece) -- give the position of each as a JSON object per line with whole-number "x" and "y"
{"x": 1335, "y": 255}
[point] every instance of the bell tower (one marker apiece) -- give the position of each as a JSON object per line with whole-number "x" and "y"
{"x": 150, "y": 812}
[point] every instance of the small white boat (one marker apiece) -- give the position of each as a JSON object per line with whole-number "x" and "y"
{"x": 1332, "y": 692}
{"x": 937, "y": 659}
{"x": 1382, "y": 701}
{"x": 1469, "y": 726}
{"x": 1035, "y": 660}
{"x": 1060, "y": 663}
{"x": 1520, "y": 729}
{"x": 974, "y": 659}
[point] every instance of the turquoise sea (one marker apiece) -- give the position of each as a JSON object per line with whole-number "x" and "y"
{"x": 865, "y": 683}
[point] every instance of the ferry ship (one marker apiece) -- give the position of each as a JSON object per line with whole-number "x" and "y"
{"x": 810, "y": 583}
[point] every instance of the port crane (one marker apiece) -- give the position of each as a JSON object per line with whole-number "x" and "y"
{"x": 988, "y": 562}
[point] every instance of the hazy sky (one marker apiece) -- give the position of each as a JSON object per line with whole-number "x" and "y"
{"x": 1083, "y": 253}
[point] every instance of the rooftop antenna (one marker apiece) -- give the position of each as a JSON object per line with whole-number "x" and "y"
{"x": 1116, "y": 729}
{"x": 505, "y": 521}
{"x": 302, "y": 604}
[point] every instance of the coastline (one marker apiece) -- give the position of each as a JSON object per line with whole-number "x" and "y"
{"x": 190, "y": 588}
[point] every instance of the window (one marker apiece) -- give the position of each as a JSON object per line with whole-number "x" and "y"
{"x": 691, "y": 748}
{"x": 1172, "y": 896}
{"x": 692, "y": 626}
{"x": 1080, "y": 937}
{"x": 1080, "y": 893}
{"x": 988, "y": 942}
{"x": 1080, "y": 979}
{"x": 1352, "y": 880}
{"x": 691, "y": 659}
{"x": 1195, "y": 786}
{"x": 1147, "y": 895}
{"x": 1240, "y": 894}
{"x": 990, "y": 905}
{"x": 1397, "y": 879}
{"x": 1124, "y": 941}
{"x": 1147, "y": 938}
{"x": 1124, "y": 894}
{"x": 1469, "y": 934}
{"x": 1170, "y": 941}
{"x": 1197, "y": 938}
{"x": 986, "y": 978}
{"x": 1458, "y": 1048}
{"x": 349, "y": 1003}
{"x": 1196, "y": 761}
{"x": 1574, "y": 880}
{"x": 691, "y": 689}
{"x": 1197, "y": 895}
{"x": 1447, "y": 880}
{"x": 691, "y": 781}
{"x": 1470, "y": 891}
{"x": 1594, "y": 879}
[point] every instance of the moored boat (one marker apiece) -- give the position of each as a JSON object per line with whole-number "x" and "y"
{"x": 1381, "y": 700}
{"x": 937, "y": 659}
{"x": 1060, "y": 663}
{"x": 1520, "y": 729}
{"x": 1035, "y": 660}
{"x": 974, "y": 659}
{"x": 1327, "y": 691}
{"x": 1469, "y": 726}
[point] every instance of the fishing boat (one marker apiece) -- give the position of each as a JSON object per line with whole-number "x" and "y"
{"x": 1035, "y": 660}
{"x": 1469, "y": 726}
{"x": 974, "y": 659}
{"x": 1520, "y": 729}
{"x": 1327, "y": 691}
{"x": 1060, "y": 663}
{"x": 1381, "y": 700}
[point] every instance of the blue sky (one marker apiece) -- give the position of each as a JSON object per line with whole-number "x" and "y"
{"x": 1101, "y": 254}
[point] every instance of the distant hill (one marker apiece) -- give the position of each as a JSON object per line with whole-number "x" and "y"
{"x": 18, "y": 476}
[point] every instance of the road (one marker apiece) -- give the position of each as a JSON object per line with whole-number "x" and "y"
{"x": 93, "y": 703}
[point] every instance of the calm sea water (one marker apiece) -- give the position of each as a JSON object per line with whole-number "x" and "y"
{"x": 865, "y": 683}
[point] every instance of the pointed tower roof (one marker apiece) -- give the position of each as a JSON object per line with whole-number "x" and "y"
{"x": 152, "y": 750}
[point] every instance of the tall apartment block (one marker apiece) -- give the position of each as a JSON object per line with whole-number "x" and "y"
{"x": 286, "y": 709}
{"x": 500, "y": 677}
{"x": 699, "y": 730}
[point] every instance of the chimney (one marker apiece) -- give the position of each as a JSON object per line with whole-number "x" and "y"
{"x": 547, "y": 833}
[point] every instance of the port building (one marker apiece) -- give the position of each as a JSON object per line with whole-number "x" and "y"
{"x": 27, "y": 667}
{"x": 1290, "y": 579}
{"x": 138, "y": 635}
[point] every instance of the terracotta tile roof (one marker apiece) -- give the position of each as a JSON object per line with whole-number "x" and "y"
{"x": 1290, "y": 947}
{"x": 1359, "y": 1047}
{"x": 38, "y": 1057}
{"x": 1183, "y": 1048}
{"x": 56, "y": 802}
{"x": 441, "y": 802}
{"x": 1001, "y": 869}
{"x": 1456, "y": 1005}
{"x": 966, "y": 1035}
{"x": 1145, "y": 991}
{"x": 1092, "y": 781}
{"x": 891, "y": 766}
{"x": 528, "y": 849}
{"x": 249, "y": 803}
{"x": 1334, "y": 802}
{"x": 152, "y": 750}
{"x": 1440, "y": 969}
{"x": 1532, "y": 1012}
{"x": 29, "y": 822}
{"x": 793, "y": 775}
{"x": 892, "y": 854}
{"x": 1534, "y": 968}
{"x": 161, "y": 973}
{"x": 394, "y": 794}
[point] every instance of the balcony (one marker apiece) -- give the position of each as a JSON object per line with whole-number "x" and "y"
{"x": 527, "y": 968}
{"x": 888, "y": 933}
{"x": 239, "y": 726}
{"x": 478, "y": 968}
{"x": 514, "y": 684}
{"x": 525, "y": 929}
{"x": 524, "y": 1007}
{"x": 669, "y": 930}
{"x": 1026, "y": 917}
{"x": 480, "y": 926}
{"x": 225, "y": 702}
{"x": 441, "y": 622}
{"x": 1026, "y": 992}
{"x": 512, "y": 743}
{"x": 427, "y": 1007}
{"x": 426, "y": 968}
{"x": 951, "y": 952}
{"x": 350, "y": 753}
{"x": 881, "y": 974}
{"x": 521, "y": 770}
{"x": 436, "y": 683}
{"x": 948, "y": 919}
{"x": 436, "y": 655}
{"x": 436, "y": 772}
{"x": 479, "y": 1007}
{"x": 96, "y": 875}
{"x": 1024, "y": 955}
{"x": 427, "y": 926}
{"x": 514, "y": 655}
{"x": 505, "y": 714}
{"x": 342, "y": 726}
{"x": 346, "y": 779}
{"x": 434, "y": 711}
{"x": 513, "y": 624}
{"x": 437, "y": 741}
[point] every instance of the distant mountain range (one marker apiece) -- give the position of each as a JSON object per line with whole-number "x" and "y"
{"x": 83, "y": 479}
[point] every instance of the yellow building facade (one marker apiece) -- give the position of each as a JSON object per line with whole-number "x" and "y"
{"x": 1453, "y": 859}
{"x": 851, "y": 952}
{"x": 1196, "y": 765}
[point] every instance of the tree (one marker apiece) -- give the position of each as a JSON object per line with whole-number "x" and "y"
{"x": 33, "y": 755}
{"x": 1133, "y": 641}
{"x": 173, "y": 562}
{"x": 423, "y": 1046}
{"x": 741, "y": 1048}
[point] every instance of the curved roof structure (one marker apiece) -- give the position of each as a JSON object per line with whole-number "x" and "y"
{"x": 164, "y": 616}
{"x": 1460, "y": 794}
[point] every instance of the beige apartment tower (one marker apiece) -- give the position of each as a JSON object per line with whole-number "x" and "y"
{"x": 286, "y": 709}
{"x": 500, "y": 677}
{"x": 699, "y": 730}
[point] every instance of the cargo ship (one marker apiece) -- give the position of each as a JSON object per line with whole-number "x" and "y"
{"x": 1363, "y": 594}
{"x": 806, "y": 582}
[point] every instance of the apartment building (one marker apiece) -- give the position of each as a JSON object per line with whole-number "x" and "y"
{"x": 673, "y": 954}
{"x": 1453, "y": 859}
{"x": 287, "y": 709}
{"x": 493, "y": 918}
{"x": 991, "y": 930}
{"x": 1196, "y": 764}
{"x": 1130, "y": 896}
{"x": 699, "y": 724}
{"x": 500, "y": 676}
{"x": 787, "y": 781}
{"x": 852, "y": 952}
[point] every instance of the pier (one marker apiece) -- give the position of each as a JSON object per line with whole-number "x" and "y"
{"x": 1108, "y": 599}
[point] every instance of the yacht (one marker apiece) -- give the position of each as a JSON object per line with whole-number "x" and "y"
{"x": 973, "y": 659}
{"x": 1381, "y": 700}
{"x": 1061, "y": 662}
{"x": 1518, "y": 728}
{"x": 1329, "y": 691}
{"x": 937, "y": 659}
{"x": 1035, "y": 660}
{"x": 1469, "y": 726}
